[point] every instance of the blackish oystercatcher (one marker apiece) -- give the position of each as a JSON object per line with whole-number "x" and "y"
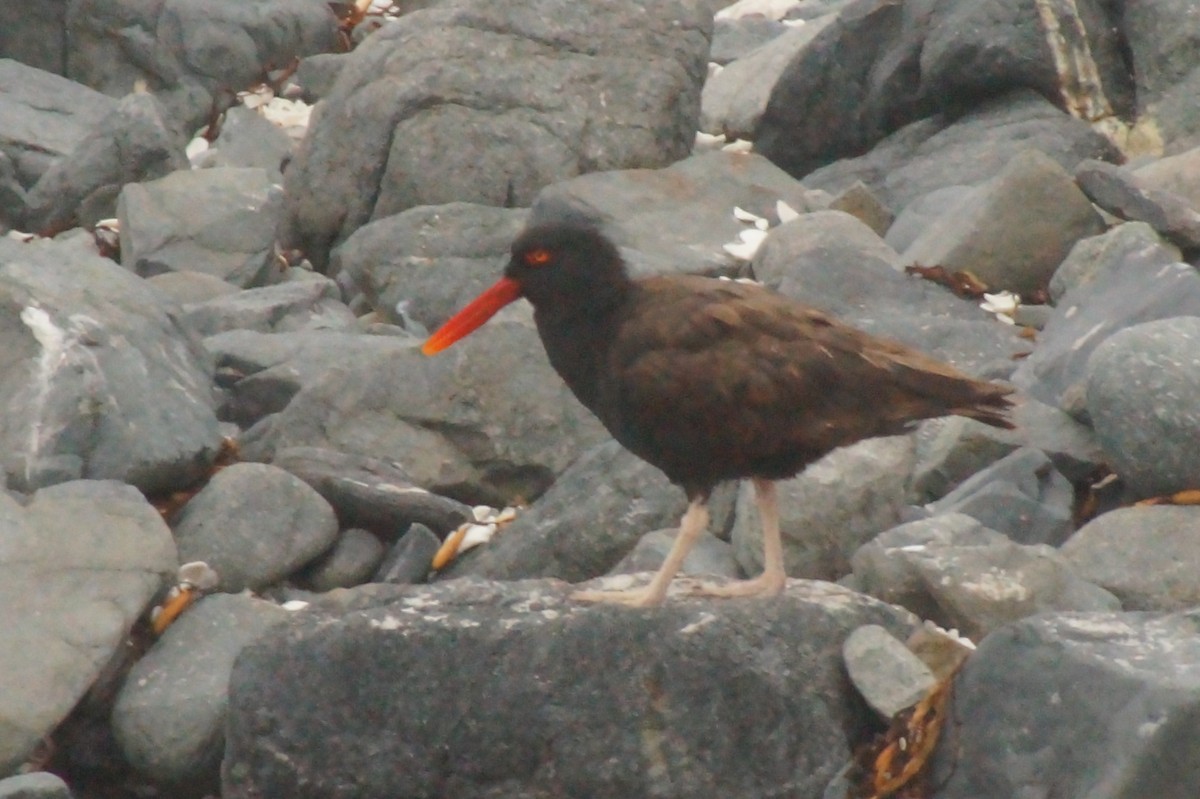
{"x": 713, "y": 380}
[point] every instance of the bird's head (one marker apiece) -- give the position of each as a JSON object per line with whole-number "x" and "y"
{"x": 559, "y": 267}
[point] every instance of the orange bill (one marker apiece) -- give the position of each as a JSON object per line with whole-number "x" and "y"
{"x": 478, "y": 311}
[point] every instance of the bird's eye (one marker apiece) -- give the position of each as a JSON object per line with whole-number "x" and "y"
{"x": 539, "y": 257}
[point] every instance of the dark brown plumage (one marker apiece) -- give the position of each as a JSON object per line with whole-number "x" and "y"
{"x": 713, "y": 380}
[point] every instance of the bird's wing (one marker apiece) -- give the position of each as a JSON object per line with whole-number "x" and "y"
{"x": 752, "y": 371}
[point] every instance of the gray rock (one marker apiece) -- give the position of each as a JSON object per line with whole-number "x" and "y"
{"x": 100, "y": 380}
{"x": 218, "y": 221}
{"x": 830, "y": 509}
{"x": 43, "y": 117}
{"x": 1021, "y": 495}
{"x": 429, "y": 261}
{"x": 134, "y": 142}
{"x": 736, "y": 38}
{"x": 248, "y": 139}
{"x": 953, "y": 150}
{"x": 353, "y": 559}
{"x": 622, "y": 95}
{"x": 410, "y": 558}
{"x": 183, "y": 288}
{"x": 589, "y": 520}
{"x": 35, "y": 785}
{"x": 885, "y": 672}
{"x": 1143, "y": 397}
{"x": 1117, "y": 191}
{"x": 1178, "y": 174}
{"x": 561, "y": 682}
{"x": 733, "y": 100}
{"x": 485, "y": 422}
{"x": 961, "y": 575}
{"x": 1145, "y": 556}
{"x": 1161, "y": 40}
{"x": 254, "y": 524}
{"x": 952, "y": 449}
{"x": 1089, "y": 704}
{"x": 78, "y": 566}
{"x": 919, "y": 214}
{"x": 678, "y": 219}
{"x": 317, "y": 75}
{"x": 1059, "y": 49}
{"x": 709, "y": 555}
{"x": 862, "y": 204}
{"x": 1057, "y": 370}
{"x": 308, "y": 302}
{"x": 834, "y": 262}
{"x": 1013, "y": 231}
{"x": 371, "y": 493}
{"x": 1133, "y": 246}
{"x": 169, "y": 717}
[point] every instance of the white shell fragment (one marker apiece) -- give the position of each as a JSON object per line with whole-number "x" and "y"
{"x": 785, "y": 212}
{"x": 198, "y": 574}
{"x": 747, "y": 244}
{"x": 771, "y": 9}
{"x": 1003, "y": 305}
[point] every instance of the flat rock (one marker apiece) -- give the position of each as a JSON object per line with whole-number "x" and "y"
{"x": 589, "y": 520}
{"x": 169, "y": 717}
{"x": 305, "y": 302}
{"x": 1143, "y": 397}
{"x": 889, "y": 676}
{"x": 621, "y": 95}
{"x": 218, "y": 221}
{"x": 1178, "y": 174}
{"x": 78, "y": 566}
{"x": 830, "y": 509}
{"x": 1014, "y": 230}
{"x": 512, "y": 684}
{"x": 352, "y": 560}
{"x": 1117, "y": 191}
{"x": 959, "y": 574}
{"x": 1147, "y": 557}
{"x": 1134, "y": 246}
{"x": 254, "y": 524}
{"x": 1076, "y": 704}
{"x": 101, "y": 381}
{"x": 409, "y": 560}
{"x": 678, "y": 219}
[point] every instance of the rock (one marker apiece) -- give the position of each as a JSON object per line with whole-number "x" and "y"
{"x": 353, "y": 559}
{"x": 43, "y": 117}
{"x": 735, "y": 38}
{"x": 621, "y": 95}
{"x": 78, "y": 566}
{"x": 733, "y": 101}
{"x": 307, "y": 302}
{"x": 885, "y": 672}
{"x": 183, "y": 288}
{"x": 589, "y": 520}
{"x": 254, "y": 524}
{"x": 959, "y": 574}
{"x": 678, "y": 219}
{"x": 134, "y": 142}
{"x": 100, "y": 381}
{"x": 410, "y": 558}
{"x": 964, "y": 150}
{"x": 371, "y": 493}
{"x": 1143, "y": 397}
{"x": 248, "y": 139}
{"x": 834, "y": 262}
{"x": 169, "y": 716}
{"x": 830, "y": 509}
{"x": 922, "y": 212}
{"x": 1057, "y": 370}
{"x": 1161, "y": 39}
{"x": 1146, "y": 557}
{"x": 1177, "y": 174}
{"x": 560, "y": 682}
{"x": 34, "y": 785}
{"x": 1118, "y": 192}
{"x": 1013, "y": 231}
{"x": 1070, "y": 53}
{"x": 429, "y": 261}
{"x": 218, "y": 221}
{"x": 709, "y": 555}
{"x": 484, "y": 423}
{"x": 1021, "y": 495}
{"x": 862, "y": 204}
{"x": 1031, "y": 701}
{"x": 1133, "y": 246}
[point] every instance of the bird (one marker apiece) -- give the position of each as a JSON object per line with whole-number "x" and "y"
{"x": 711, "y": 380}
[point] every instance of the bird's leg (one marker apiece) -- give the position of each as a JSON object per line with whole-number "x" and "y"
{"x": 773, "y": 577}
{"x": 694, "y": 521}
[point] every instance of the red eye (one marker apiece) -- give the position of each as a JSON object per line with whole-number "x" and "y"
{"x": 538, "y": 257}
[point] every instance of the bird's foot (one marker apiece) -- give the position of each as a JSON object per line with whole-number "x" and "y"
{"x": 765, "y": 584}
{"x": 633, "y": 597}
